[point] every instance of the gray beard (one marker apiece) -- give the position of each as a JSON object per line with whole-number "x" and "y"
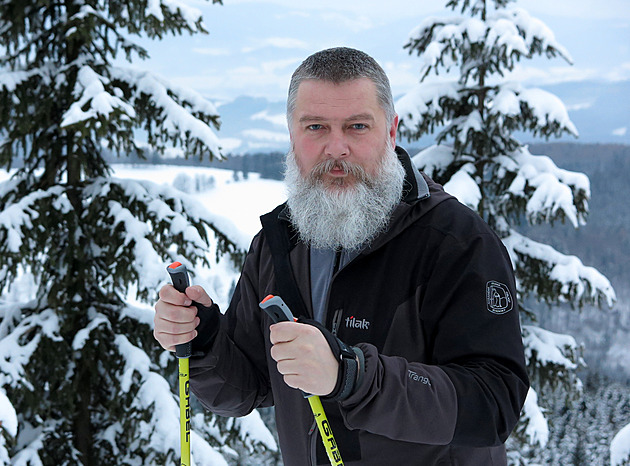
{"x": 331, "y": 216}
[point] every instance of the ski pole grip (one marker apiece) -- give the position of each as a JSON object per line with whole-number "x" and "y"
{"x": 180, "y": 280}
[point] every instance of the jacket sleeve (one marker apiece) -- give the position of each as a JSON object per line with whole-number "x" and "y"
{"x": 471, "y": 389}
{"x": 231, "y": 379}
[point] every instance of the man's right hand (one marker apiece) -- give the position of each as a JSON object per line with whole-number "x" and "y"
{"x": 176, "y": 319}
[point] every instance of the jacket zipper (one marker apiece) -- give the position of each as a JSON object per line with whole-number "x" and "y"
{"x": 336, "y": 321}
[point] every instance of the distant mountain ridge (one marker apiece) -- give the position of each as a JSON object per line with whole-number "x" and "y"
{"x": 600, "y": 111}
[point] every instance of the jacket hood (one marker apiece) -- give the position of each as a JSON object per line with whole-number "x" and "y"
{"x": 420, "y": 195}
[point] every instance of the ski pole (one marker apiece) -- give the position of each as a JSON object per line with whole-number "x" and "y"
{"x": 179, "y": 277}
{"x": 277, "y": 309}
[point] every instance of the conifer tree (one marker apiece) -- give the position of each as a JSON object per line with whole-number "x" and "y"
{"x": 78, "y": 364}
{"x": 479, "y": 160}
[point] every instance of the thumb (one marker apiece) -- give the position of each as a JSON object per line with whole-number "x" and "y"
{"x": 199, "y": 295}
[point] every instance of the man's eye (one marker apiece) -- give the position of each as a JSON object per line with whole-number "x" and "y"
{"x": 314, "y": 127}
{"x": 359, "y": 126}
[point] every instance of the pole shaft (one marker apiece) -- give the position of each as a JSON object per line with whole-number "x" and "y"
{"x": 184, "y": 410}
{"x": 330, "y": 444}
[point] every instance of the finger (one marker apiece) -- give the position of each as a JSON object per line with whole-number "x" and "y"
{"x": 199, "y": 295}
{"x": 174, "y": 313}
{"x": 283, "y": 332}
{"x": 168, "y": 341}
{"x": 170, "y": 295}
{"x": 175, "y": 328}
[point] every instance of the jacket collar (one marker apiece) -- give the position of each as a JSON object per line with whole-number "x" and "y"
{"x": 415, "y": 187}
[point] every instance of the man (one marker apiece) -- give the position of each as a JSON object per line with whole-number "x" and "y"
{"x": 367, "y": 251}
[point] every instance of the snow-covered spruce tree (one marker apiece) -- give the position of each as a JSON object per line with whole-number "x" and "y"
{"x": 78, "y": 364}
{"x": 478, "y": 159}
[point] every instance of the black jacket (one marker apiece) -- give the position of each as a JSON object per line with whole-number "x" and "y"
{"x": 431, "y": 305}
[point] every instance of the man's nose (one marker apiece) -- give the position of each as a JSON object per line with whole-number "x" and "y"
{"x": 337, "y": 145}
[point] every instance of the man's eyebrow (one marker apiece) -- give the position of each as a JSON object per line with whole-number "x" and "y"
{"x": 357, "y": 117}
{"x": 311, "y": 118}
{"x": 361, "y": 116}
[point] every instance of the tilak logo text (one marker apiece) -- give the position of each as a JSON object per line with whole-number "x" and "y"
{"x": 353, "y": 322}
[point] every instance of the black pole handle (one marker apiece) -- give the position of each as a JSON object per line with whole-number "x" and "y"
{"x": 180, "y": 280}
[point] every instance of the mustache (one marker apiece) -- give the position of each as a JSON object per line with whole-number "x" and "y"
{"x": 348, "y": 168}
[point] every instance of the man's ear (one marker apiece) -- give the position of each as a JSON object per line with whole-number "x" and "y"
{"x": 393, "y": 130}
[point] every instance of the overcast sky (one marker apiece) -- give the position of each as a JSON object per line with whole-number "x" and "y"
{"x": 254, "y": 45}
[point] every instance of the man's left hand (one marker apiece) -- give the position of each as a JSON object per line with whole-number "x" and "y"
{"x": 304, "y": 357}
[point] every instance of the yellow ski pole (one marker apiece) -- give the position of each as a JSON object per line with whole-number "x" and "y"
{"x": 277, "y": 309}
{"x": 330, "y": 444}
{"x": 179, "y": 277}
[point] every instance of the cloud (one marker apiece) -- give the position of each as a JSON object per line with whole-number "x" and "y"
{"x": 264, "y": 135}
{"x": 352, "y": 23}
{"x": 229, "y": 144}
{"x": 277, "y": 42}
{"x": 277, "y": 120}
{"x": 579, "y": 106}
{"x": 212, "y": 51}
{"x": 620, "y": 131}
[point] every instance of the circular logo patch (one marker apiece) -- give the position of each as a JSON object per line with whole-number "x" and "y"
{"x": 498, "y": 298}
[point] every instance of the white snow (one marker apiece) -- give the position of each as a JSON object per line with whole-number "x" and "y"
{"x": 8, "y": 416}
{"x": 537, "y": 430}
{"x": 620, "y": 448}
{"x": 548, "y": 108}
{"x": 190, "y": 14}
{"x": 90, "y": 90}
{"x": 554, "y": 188}
{"x": 423, "y": 101}
{"x": 550, "y": 348}
{"x": 573, "y": 276}
{"x": 253, "y": 427}
{"x": 8, "y": 425}
{"x": 434, "y": 158}
{"x": 464, "y": 187}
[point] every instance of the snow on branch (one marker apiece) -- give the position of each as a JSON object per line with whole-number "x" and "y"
{"x": 568, "y": 279}
{"x": 173, "y": 103}
{"x": 548, "y": 191}
{"x": 90, "y": 91}
{"x": 425, "y": 103}
{"x": 510, "y": 33}
{"x": 8, "y": 424}
{"x": 534, "y": 31}
{"x": 17, "y": 218}
{"x": 17, "y": 346}
{"x": 546, "y": 111}
{"x": 550, "y": 349}
{"x": 537, "y": 429}
{"x": 620, "y": 448}
{"x": 189, "y": 14}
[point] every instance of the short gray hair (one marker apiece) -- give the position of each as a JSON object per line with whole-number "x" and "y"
{"x": 339, "y": 65}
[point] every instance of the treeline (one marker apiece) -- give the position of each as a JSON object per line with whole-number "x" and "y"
{"x": 581, "y": 430}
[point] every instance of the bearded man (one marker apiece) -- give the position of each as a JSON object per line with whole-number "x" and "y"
{"x": 370, "y": 252}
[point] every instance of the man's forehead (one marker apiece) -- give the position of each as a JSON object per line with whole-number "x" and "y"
{"x": 355, "y": 98}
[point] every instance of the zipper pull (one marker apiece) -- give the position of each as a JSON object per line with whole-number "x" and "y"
{"x": 337, "y": 321}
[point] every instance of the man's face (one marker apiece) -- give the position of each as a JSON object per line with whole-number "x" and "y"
{"x": 340, "y": 122}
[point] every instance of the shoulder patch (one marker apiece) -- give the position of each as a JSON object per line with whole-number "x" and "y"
{"x": 498, "y": 298}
